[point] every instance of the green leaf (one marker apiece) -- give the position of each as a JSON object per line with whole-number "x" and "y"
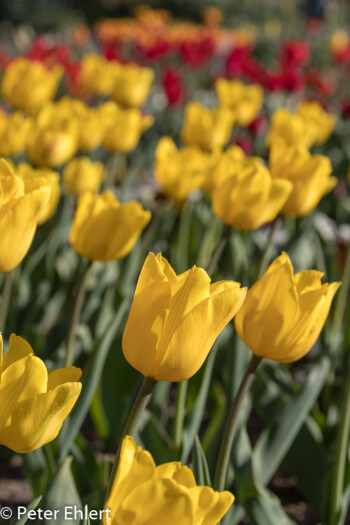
{"x": 90, "y": 380}
{"x": 62, "y": 493}
{"x": 195, "y": 417}
{"x": 32, "y": 506}
{"x": 200, "y": 464}
{"x": 266, "y": 509}
{"x": 277, "y": 438}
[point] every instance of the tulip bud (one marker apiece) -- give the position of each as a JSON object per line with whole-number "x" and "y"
{"x": 309, "y": 174}
{"x": 35, "y": 402}
{"x": 284, "y": 312}
{"x": 160, "y": 495}
{"x": 103, "y": 229}
{"x": 244, "y": 101}
{"x": 175, "y": 319}
{"x": 81, "y": 174}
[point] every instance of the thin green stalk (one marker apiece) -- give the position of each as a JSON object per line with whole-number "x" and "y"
{"x": 50, "y": 458}
{"x": 77, "y": 306}
{"x": 179, "y": 417}
{"x": 229, "y": 433}
{"x": 5, "y": 300}
{"x": 340, "y": 304}
{"x": 140, "y": 404}
{"x": 337, "y": 485}
{"x": 269, "y": 247}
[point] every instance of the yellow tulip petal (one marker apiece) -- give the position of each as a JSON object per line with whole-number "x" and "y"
{"x": 18, "y": 226}
{"x": 210, "y": 506}
{"x": 21, "y": 381}
{"x": 162, "y": 499}
{"x": 211, "y": 315}
{"x": 18, "y": 348}
{"x": 69, "y": 374}
{"x": 37, "y": 420}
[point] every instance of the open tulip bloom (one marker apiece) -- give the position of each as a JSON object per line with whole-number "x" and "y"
{"x": 34, "y": 402}
{"x": 175, "y": 319}
{"x": 143, "y": 493}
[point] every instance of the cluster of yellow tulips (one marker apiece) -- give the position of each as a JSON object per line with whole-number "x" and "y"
{"x": 174, "y": 319}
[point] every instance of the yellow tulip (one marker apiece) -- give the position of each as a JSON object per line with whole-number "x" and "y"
{"x": 244, "y": 194}
{"x": 29, "y": 85}
{"x": 82, "y": 174}
{"x": 338, "y": 41}
{"x": 123, "y": 127}
{"x": 323, "y": 122}
{"x": 144, "y": 493}
{"x": 97, "y": 75}
{"x": 104, "y": 229}
{"x": 181, "y": 171}
{"x": 310, "y": 175}
{"x": 54, "y": 138}
{"x": 14, "y": 131}
{"x": 292, "y": 128}
{"x": 208, "y": 129}
{"x": 175, "y": 319}
{"x": 34, "y": 402}
{"x": 19, "y": 216}
{"x": 132, "y": 85}
{"x": 244, "y": 101}
{"x": 284, "y": 312}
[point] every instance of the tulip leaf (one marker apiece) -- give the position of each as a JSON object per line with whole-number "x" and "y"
{"x": 277, "y": 438}
{"x": 195, "y": 417}
{"x": 32, "y": 506}
{"x": 90, "y": 380}
{"x": 62, "y": 493}
{"x": 266, "y": 509}
{"x": 36, "y": 469}
{"x": 200, "y": 464}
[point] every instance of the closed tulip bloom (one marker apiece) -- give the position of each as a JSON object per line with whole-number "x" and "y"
{"x": 132, "y": 85}
{"x": 14, "y": 131}
{"x": 123, "y": 127}
{"x": 97, "y": 75}
{"x": 34, "y": 402}
{"x": 91, "y": 130}
{"x": 54, "y": 138}
{"x": 104, "y": 229}
{"x": 37, "y": 178}
{"x": 323, "y": 122}
{"x": 205, "y": 128}
{"x": 82, "y": 174}
{"x": 181, "y": 171}
{"x": 144, "y": 493}
{"x": 292, "y": 128}
{"x": 29, "y": 85}
{"x": 19, "y": 216}
{"x": 175, "y": 319}
{"x": 284, "y": 312}
{"x": 245, "y": 195}
{"x": 310, "y": 175}
{"x": 244, "y": 101}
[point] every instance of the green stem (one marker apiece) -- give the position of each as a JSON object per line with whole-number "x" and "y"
{"x": 269, "y": 247}
{"x": 77, "y": 306}
{"x": 340, "y": 304}
{"x": 219, "y": 249}
{"x": 5, "y": 300}
{"x": 337, "y": 485}
{"x": 184, "y": 238}
{"x": 229, "y": 433}
{"x": 179, "y": 416}
{"x": 140, "y": 404}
